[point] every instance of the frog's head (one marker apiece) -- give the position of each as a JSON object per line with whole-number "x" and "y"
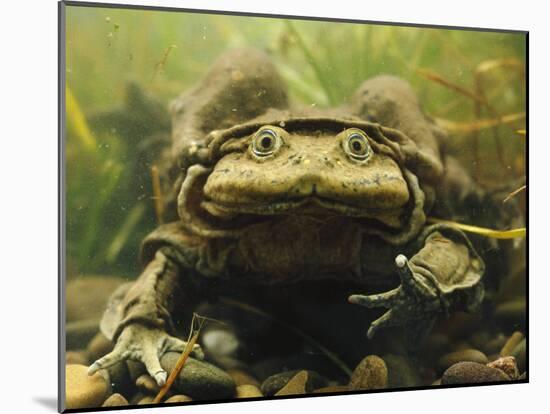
{"x": 318, "y": 167}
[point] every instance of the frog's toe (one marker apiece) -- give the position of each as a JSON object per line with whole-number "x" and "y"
{"x": 178, "y": 345}
{"x": 385, "y": 299}
{"x": 385, "y": 321}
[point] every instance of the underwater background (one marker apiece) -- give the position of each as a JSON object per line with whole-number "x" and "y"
{"x": 124, "y": 66}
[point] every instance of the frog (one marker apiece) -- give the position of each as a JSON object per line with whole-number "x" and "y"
{"x": 265, "y": 193}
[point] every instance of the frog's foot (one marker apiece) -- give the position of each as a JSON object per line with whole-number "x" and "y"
{"x": 414, "y": 304}
{"x": 139, "y": 343}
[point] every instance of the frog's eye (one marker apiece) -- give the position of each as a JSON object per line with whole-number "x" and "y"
{"x": 357, "y": 146}
{"x": 266, "y": 142}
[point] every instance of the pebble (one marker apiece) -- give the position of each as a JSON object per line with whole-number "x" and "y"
{"x": 401, "y": 372}
{"x": 146, "y": 400}
{"x": 86, "y": 296}
{"x": 180, "y": 398}
{"x": 472, "y": 372}
{"x": 248, "y": 391}
{"x": 507, "y": 365}
{"x": 76, "y": 357}
{"x": 115, "y": 400}
{"x": 519, "y": 353}
{"x": 119, "y": 378}
{"x": 370, "y": 374}
{"x": 459, "y": 325}
{"x": 83, "y": 390}
{"x": 198, "y": 379}
{"x": 296, "y": 385}
{"x": 332, "y": 388}
{"x": 276, "y": 382}
{"x": 436, "y": 343}
{"x": 469, "y": 355}
{"x": 512, "y": 311}
{"x": 98, "y": 347}
{"x": 494, "y": 345}
{"x": 242, "y": 377}
{"x": 147, "y": 384}
{"x": 511, "y": 343}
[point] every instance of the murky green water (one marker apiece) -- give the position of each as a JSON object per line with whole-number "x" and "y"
{"x": 124, "y": 67}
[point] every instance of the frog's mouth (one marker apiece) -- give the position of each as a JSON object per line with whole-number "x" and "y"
{"x": 214, "y": 219}
{"x": 313, "y": 206}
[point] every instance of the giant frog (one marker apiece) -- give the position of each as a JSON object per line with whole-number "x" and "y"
{"x": 265, "y": 194}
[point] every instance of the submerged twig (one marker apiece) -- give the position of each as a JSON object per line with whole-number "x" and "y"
{"x": 514, "y": 193}
{"x": 466, "y": 127}
{"x": 159, "y": 67}
{"x": 435, "y": 77}
{"x": 495, "y": 234}
{"x": 177, "y": 369}
{"x": 191, "y": 341}
{"x": 521, "y": 132}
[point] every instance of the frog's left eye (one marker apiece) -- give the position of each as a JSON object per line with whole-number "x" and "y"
{"x": 266, "y": 142}
{"x": 357, "y": 146}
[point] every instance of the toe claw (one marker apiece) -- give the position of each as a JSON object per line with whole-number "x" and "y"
{"x": 160, "y": 378}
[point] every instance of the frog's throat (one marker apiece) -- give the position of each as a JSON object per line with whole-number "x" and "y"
{"x": 199, "y": 222}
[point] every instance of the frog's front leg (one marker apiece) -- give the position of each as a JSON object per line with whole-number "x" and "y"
{"x": 145, "y": 331}
{"x": 443, "y": 276}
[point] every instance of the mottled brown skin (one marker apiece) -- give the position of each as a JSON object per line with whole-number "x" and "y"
{"x": 270, "y": 195}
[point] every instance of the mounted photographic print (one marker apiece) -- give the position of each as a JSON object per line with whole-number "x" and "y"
{"x": 263, "y": 207}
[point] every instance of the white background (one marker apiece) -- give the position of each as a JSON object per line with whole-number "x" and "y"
{"x": 28, "y": 232}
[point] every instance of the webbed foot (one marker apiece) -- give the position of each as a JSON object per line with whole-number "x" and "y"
{"x": 414, "y": 304}
{"x": 139, "y": 343}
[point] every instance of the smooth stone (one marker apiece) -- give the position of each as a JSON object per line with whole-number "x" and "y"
{"x": 146, "y": 400}
{"x": 461, "y": 346}
{"x": 472, "y": 373}
{"x": 79, "y": 333}
{"x": 76, "y": 358}
{"x": 401, "y": 372}
{"x": 248, "y": 391}
{"x": 242, "y": 377}
{"x": 296, "y": 385}
{"x": 178, "y": 399}
{"x": 198, "y": 379}
{"x": 276, "y": 382}
{"x": 137, "y": 397}
{"x": 370, "y": 374}
{"x": 146, "y": 383}
{"x": 479, "y": 340}
{"x": 493, "y": 346}
{"x": 86, "y": 296}
{"x": 83, "y": 390}
{"x": 120, "y": 380}
{"x": 465, "y": 355}
{"x": 511, "y": 343}
{"x": 332, "y": 388}
{"x": 436, "y": 343}
{"x": 115, "y": 400}
{"x": 507, "y": 365}
{"x": 99, "y": 346}
{"x": 459, "y": 325}
{"x": 220, "y": 342}
{"x": 520, "y": 354}
{"x": 512, "y": 311}
{"x": 135, "y": 369}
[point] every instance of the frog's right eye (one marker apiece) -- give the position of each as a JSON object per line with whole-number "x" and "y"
{"x": 266, "y": 142}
